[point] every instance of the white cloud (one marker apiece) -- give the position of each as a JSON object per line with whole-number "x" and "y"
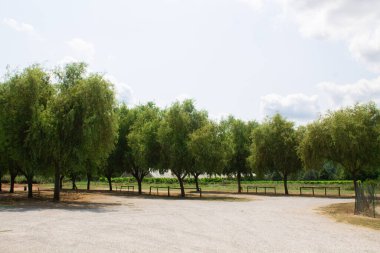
{"x": 21, "y": 27}
{"x": 84, "y": 50}
{"x": 363, "y": 90}
{"x": 297, "y": 107}
{"x": 18, "y": 26}
{"x": 124, "y": 92}
{"x": 254, "y": 4}
{"x": 357, "y": 23}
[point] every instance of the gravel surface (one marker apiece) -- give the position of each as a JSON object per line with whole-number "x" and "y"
{"x": 264, "y": 224}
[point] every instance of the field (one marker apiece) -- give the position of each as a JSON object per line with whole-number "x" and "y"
{"x": 101, "y": 221}
{"x": 229, "y": 186}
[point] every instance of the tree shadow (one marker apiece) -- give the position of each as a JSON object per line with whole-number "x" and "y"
{"x": 18, "y": 202}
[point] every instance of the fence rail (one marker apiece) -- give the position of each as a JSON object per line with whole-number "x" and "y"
{"x": 262, "y": 187}
{"x": 168, "y": 188}
{"x": 319, "y": 187}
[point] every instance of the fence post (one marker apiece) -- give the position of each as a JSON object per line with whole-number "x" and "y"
{"x": 150, "y": 190}
{"x": 200, "y": 192}
{"x": 168, "y": 191}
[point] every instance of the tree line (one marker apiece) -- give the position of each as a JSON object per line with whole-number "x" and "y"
{"x": 66, "y": 123}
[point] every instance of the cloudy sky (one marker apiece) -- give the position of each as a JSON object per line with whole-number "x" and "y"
{"x": 248, "y": 58}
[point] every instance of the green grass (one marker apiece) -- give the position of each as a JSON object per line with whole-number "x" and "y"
{"x": 230, "y": 186}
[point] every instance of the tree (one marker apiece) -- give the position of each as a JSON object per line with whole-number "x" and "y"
{"x": 179, "y": 121}
{"x": 7, "y": 163}
{"x": 144, "y": 146}
{"x": 26, "y": 126}
{"x": 210, "y": 150}
{"x": 348, "y": 137}
{"x": 117, "y": 161}
{"x": 274, "y": 148}
{"x": 239, "y": 133}
{"x": 85, "y": 124}
{"x": 99, "y": 122}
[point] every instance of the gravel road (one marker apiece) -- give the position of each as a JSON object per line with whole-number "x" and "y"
{"x": 264, "y": 224}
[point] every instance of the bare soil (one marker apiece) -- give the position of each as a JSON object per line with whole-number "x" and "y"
{"x": 121, "y": 222}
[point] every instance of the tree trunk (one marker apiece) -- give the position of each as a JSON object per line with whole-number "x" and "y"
{"x": 139, "y": 182}
{"x": 61, "y": 181}
{"x": 286, "y": 184}
{"x": 239, "y": 182}
{"x": 0, "y": 183}
{"x": 30, "y": 186}
{"x": 356, "y": 211}
{"x": 180, "y": 179}
{"x": 110, "y": 183}
{"x": 12, "y": 186}
{"x": 196, "y": 176}
{"x": 88, "y": 181}
{"x": 73, "y": 179}
{"x": 57, "y": 183}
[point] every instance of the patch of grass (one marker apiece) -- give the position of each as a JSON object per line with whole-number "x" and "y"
{"x": 344, "y": 212}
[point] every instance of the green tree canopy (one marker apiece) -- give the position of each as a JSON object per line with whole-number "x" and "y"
{"x": 210, "y": 149}
{"x": 239, "y": 133}
{"x": 348, "y": 137}
{"x": 26, "y": 123}
{"x": 119, "y": 159}
{"x": 274, "y": 148}
{"x": 85, "y": 122}
{"x": 179, "y": 121}
{"x": 144, "y": 152}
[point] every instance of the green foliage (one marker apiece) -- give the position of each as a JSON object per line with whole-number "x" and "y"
{"x": 179, "y": 122}
{"x": 142, "y": 139}
{"x": 238, "y": 132}
{"x": 348, "y": 137}
{"x": 85, "y": 120}
{"x": 274, "y": 148}
{"x": 220, "y": 180}
{"x": 25, "y": 123}
{"x": 210, "y": 149}
{"x": 118, "y": 160}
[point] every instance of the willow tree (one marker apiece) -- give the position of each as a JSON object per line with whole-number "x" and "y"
{"x": 274, "y": 148}
{"x": 27, "y": 123}
{"x": 3, "y": 142}
{"x": 144, "y": 152}
{"x": 348, "y": 137}
{"x": 239, "y": 133}
{"x": 179, "y": 121}
{"x": 85, "y": 122}
{"x": 210, "y": 148}
{"x": 7, "y": 163}
{"x": 118, "y": 161}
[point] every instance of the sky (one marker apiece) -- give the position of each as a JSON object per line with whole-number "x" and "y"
{"x": 247, "y": 58}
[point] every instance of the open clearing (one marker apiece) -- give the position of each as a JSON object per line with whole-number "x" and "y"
{"x": 125, "y": 223}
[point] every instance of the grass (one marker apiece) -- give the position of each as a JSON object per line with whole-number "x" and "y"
{"x": 219, "y": 185}
{"x": 231, "y": 186}
{"x": 344, "y": 212}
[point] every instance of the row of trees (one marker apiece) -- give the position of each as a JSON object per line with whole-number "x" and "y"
{"x": 55, "y": 123}
{"x": 67, "y": 123}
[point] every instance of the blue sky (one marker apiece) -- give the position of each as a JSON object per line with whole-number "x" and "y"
{"x": 248, "y": 58}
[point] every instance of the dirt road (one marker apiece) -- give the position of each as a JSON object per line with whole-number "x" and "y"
{"x": 130, "y": 224}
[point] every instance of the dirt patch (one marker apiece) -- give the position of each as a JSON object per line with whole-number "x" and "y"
{"x": 44, "y": 199}
{"x": 344, "y": 212}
